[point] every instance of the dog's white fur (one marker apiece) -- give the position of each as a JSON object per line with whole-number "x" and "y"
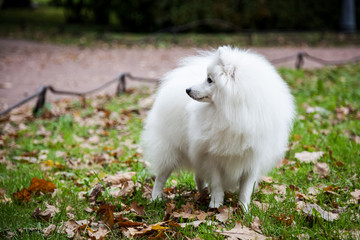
{"x": 229, "y": 131}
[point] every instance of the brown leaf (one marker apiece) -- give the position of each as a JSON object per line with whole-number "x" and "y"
{"x": 3, "y": 197}
{"x": 98, "y": 234}
{"x": 308, "y": 157}
{"x": 124, "y": 222}
{"x": 49, "y": 230}
{"x": 224, "y": 213}
{"x": 121, "y": 184}
{"x": 197, "y": 223}
{"x": 267, "y": 179}
{"x": 356, "y": 195}
{"x": 97, "y": 190}
{"x": 242, "y": 232}
{"x": 286, "y": 220}
{"x": 47, "y": 214}
{"x": 256, "y": 224}
{"x": 138, "y": 209}
{"x": 261, "y": 206}
{"x": 108, "y": 214}
{"x": 37, "y": 186}
{"x": 328, "y": 216}
{"x": 170, "y": 208}
{"x": 322, "y": 169}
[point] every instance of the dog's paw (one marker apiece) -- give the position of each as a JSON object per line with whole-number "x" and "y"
{"x": 245, "y": 207}
{"x": 215, "y": 204}
{"x": 156, "y": 196}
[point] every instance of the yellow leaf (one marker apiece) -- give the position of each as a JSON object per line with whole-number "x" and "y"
{"x": 49, "y": 163}
{"x": 157, "y": 227}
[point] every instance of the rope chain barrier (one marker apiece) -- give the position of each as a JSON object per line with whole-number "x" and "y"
{"x": 121, "y": 81}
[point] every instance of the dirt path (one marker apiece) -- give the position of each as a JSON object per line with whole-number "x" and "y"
{"x": 26, "y": 65}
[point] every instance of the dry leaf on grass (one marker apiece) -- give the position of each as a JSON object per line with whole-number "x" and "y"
{"x": 3, "y": 197}
{"x": 96, "y": 191}
{"x": 37, "y": 186}
{"x": 169, "y": 209}
{"x": 242, "y": 232}
{"x": 356, "y": 195}
{"x": 188, "y": 212}
{"x": 98, "y": 234}
{"x": 47, "y": 214}
{"x": 224, "y": 213}
{"x": 308, "y": 157}
{"x": 261, "y": 206}
{"x": 322, "y": 169}
{"x": 49, "y": 230}
{"x": 256, "y": 225}
{"x": 197, "y": 223}
{"x": 107, "y": 211}
{"x": 139, "y": 210}
{"x": 286, "y": 220}
{"x": 267, "y": 179}
{"x": 328, "y": 216}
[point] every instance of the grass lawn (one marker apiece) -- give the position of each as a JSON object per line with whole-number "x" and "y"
{"x": 78, "y": 172}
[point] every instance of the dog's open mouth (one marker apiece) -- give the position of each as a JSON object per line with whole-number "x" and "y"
{"x": 200, "y": 99}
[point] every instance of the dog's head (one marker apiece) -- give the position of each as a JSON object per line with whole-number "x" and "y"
{"x": 219, "y": 72}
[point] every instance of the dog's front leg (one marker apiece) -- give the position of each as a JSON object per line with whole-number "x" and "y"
{"x": 160, "y": 181}
{"x": 217, "y": 191}
{"x": 248, "y": 183}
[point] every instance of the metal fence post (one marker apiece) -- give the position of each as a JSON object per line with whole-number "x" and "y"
{"x": 121, "y": 87}
{"x": 299, "y": 60}
{"x": 40, "y": 101}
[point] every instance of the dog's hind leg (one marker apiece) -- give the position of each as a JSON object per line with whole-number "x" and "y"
{"x": 200, "y": 185}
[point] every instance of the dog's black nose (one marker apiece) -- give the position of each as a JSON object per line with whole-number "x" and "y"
{"x": 188, "y": 90}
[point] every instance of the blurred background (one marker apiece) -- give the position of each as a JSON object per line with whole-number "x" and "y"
{"x": 81, "y": 44}
{"x": 240, "y": 22}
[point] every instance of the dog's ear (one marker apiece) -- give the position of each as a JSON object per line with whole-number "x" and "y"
{"x": 224, "y": 60}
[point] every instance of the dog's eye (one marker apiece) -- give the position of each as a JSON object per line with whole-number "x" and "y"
{"x": 209, "y": 80}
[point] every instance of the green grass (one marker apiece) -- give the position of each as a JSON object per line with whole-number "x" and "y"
{"x": 47, "y": 24}
{"x": 118, "y": 123}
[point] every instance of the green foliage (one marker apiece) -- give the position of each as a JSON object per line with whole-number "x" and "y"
{"x": 149, "y": 15}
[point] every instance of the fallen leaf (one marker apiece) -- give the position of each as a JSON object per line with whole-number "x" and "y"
{"x": 261, "y": 206}
{"x": 138, "y": 209}
{"x": 197, "y": 223}
{"x": 70, "y": 228}
{"x": 37, "y": 186}
{"x": 3, "y": 197}
{"x": 328, "y": 216}
{"x": 170, "y": 208}
{"x": 303, "y": 236}
{"x": 224, "y": 213}
{"x": 256, "y": 224}
{"x": 107, "y": 211}
{"x": 267, "y": 179}
{"x": 242, "y": 232}
{"x": 100, "y": 233}
{"x": 49, "y": 230}
{"x": 356, "y": 195}
{"x": 308, "y": 157}
{"x": 47, "y": 214}
{"x": 96, "y": 191}
{"x": 286, "y": 220}
{"x": 322, "y": 169}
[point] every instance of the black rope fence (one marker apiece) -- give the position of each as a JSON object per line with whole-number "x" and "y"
{"x": 121, "y": 81}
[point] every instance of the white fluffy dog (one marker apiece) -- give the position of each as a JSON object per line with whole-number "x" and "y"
{"x": 224, "y": 114}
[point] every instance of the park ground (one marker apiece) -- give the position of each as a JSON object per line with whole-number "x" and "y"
{"x": 77, "y": 170}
